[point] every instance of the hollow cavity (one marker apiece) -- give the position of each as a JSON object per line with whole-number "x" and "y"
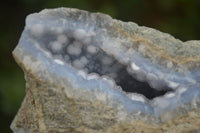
{"x": 83, "y": 53}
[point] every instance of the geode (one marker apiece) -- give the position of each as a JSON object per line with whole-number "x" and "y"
{"x": 88, "y": 73}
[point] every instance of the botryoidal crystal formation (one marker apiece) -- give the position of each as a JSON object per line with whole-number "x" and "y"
{"x": 88, "y": 73}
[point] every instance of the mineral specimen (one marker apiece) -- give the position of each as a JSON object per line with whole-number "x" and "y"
{"x": 88, "y": 73}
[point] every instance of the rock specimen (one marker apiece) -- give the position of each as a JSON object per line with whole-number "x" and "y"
{"x": 88, "y": 73}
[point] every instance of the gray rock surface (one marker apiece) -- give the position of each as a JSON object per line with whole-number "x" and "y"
{"x": 88, "y": 73}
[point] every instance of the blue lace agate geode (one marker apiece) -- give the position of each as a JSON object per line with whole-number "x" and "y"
{"x": 88, "y": 72}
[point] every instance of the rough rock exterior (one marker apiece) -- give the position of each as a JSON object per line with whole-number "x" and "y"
{"x": 88, "y": 73}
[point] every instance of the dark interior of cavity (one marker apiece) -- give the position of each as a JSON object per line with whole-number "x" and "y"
{"x": 100, "y": 63}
